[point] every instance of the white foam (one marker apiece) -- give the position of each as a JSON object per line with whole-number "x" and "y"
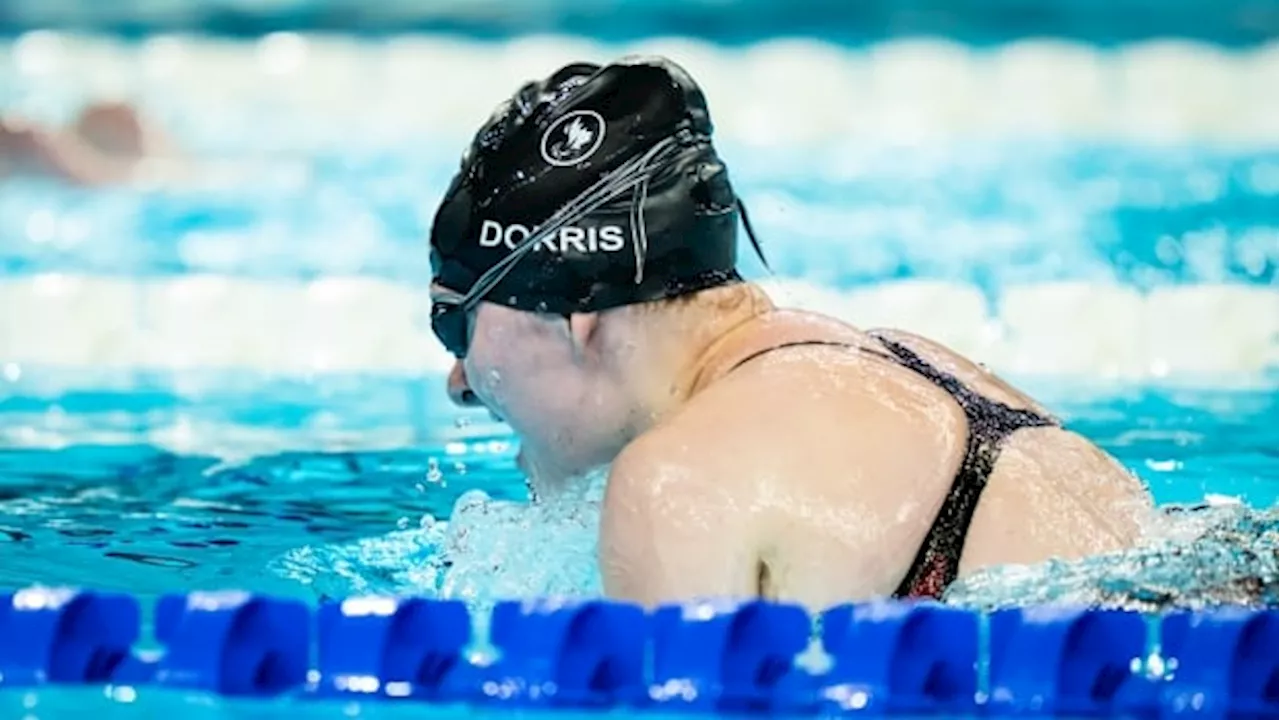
{"x": 950, "y": 313}
{"x": 1200, "y": 328}
{"x": 1061, "y": 328}
{"x": 1049, "y": 87}
{"x": 187, "y": 435}
{"x": 58, "y": 319}
{"x": 329, "y": 325}
{"x": 1070, "y": 329}
{"x": 787, "y": 93}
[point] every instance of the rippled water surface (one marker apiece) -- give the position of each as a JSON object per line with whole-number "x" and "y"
{"x": 115, "y": 475}
{"x": 331, "y": 521}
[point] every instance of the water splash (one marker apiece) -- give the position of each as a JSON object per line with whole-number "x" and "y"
{"x": 498, "y": 549}
{"x": 1224, "y": 553}
{"x": 488, "y": 550}
{"x": 1194, "y": 557}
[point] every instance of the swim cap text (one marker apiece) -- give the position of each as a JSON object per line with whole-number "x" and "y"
{"x": 605, "y": 238}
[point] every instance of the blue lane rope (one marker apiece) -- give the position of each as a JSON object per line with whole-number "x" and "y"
{"x": 881, "y": 657}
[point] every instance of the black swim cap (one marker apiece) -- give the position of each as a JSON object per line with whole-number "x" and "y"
{"x": 613, "y": 169}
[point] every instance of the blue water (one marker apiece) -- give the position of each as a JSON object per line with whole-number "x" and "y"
{"x": 983, "y": 214}
{"x": 134, "y": 517}
{"x": 331, "y": 523}
{"x": 974, "y": 21}
{"x": 337, "y": 484}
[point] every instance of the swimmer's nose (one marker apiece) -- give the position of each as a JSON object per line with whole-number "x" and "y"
{"x": 459, "y": 391}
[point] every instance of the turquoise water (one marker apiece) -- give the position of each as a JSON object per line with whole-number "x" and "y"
{"x": 319, "y": 482}
{"x": 972, "y": 21}
{"x": 316, "y": 524}
{"x": 989, "y": 214}
{"x": 327, "y": 484}
{"x": 329, "y": 523}
{"x": 162, "y": 427}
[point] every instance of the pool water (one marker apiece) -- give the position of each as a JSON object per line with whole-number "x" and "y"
{"x": 449, "y": 518}
{"x": 334, "y": 522}
{"x": 228, "y": 382}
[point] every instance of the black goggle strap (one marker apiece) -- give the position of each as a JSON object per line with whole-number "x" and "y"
{"x": 631, "y": 174}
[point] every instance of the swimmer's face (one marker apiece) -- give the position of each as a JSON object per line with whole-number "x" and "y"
{"x": 523, "y": 367}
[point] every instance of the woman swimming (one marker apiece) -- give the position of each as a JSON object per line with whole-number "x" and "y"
{"x": 586, "y": 279}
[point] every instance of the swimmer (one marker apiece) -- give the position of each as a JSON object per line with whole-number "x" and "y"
{"x": 108, "y": 144}
{"x": 585, "y": 262}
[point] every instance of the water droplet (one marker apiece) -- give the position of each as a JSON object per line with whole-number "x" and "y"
{"x": 434, "y": 475}
{"x": 403, "y": 523}
{"x": 460, "y": 468}
{"x": 56, "y": 415}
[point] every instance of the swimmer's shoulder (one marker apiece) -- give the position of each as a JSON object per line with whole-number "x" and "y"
{"x": 759, "y": 417}
{"x": 821, "y": 338}
{"x": 719, "y": 433}
{"x": 976, "y": 375}
{"x": 791, "y": 324}
{"x": 675, "y": 521}
{"x": 778, "y": 330}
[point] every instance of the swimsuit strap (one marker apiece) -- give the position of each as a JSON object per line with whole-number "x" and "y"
{"x": 979, "y": 409}
{"x": 990, "y": 422}
{"x": 783, "y": 346}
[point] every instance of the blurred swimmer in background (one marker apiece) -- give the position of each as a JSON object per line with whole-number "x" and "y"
{"x": 586, "y": 279}
{"x": 109, "y": 143}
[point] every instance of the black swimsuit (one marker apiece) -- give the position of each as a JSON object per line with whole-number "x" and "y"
{"x": 990, "y": 423}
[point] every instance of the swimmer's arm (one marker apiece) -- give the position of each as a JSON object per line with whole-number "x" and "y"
{"x": 669, "y": 532}
{"x": 61, "y": 155}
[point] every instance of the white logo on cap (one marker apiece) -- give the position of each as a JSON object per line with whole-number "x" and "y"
{"x": 573, "y": 138}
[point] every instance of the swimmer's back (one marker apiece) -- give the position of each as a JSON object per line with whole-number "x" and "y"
{"x": 839, "y": 508}
{"x": 1076, "y": 500}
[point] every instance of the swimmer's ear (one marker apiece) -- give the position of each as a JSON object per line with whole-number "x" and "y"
{"x": 582, "y": 330}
